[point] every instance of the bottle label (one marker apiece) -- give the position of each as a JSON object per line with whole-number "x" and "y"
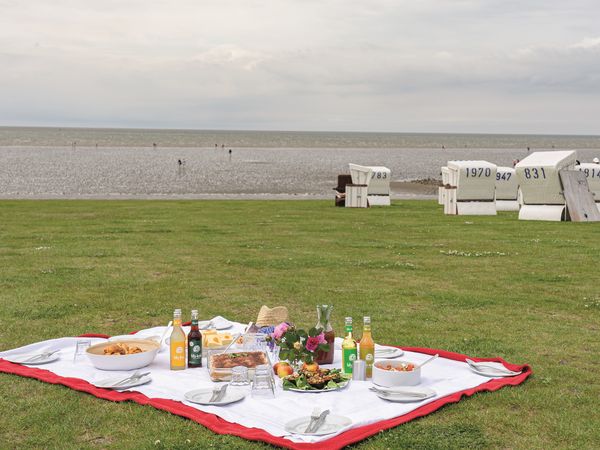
{"x": 178, "y": 354}
{"x": 195, "y": 352}
{"x": 348, "y": 358}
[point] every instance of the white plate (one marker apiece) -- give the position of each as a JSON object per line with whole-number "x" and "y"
{"x": 109, "y": 383}
{"x": 389, "y": 353}
{"x": 481, "y": 369}
{"x": 202, "y": 396}
{"x": 219, "y": 323}
{"x": 318, "y": 391}
{"x": 398, "y": 397}
{"x": 20, "y": 359}
{"x": 332, "y": 424}
{"x": 493, "y": 373}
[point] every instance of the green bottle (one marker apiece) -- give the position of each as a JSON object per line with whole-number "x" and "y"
{"x": 348, "y": 348}
{"x": 194, "y": 343}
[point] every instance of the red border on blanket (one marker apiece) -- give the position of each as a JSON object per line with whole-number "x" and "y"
{"x": 220, "y": 426}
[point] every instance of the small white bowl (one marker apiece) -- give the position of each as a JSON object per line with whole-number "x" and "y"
{"x": 390, "y": 378}
{"x": 123, "y": 362}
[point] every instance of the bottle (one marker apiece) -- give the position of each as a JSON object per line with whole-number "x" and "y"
{"x": 194, "y": 340}
{"x": 348, "y": 348}
{"x": 324, "y": 323}
{"x": 177, "y": 343}
{"x": 367, "y": 346}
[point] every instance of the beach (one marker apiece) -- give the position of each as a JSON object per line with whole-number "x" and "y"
{"x": 207, "y": 173}
{"x": 273, "y": 165}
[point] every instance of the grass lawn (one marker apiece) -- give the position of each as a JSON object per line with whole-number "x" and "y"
{"x": 484, "y": 286}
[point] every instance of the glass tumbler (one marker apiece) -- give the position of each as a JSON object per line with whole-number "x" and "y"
{"x": 239, "y": 376}
{"x": 263, "y": 385}
{"x": 80, "y": 347}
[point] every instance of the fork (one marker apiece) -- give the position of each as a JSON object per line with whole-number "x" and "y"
{"x": 405, "y": 393}
{"x": 41, "y": 356}
{"x": 221, "y": 393}
{"x": 216, "y": 392}
{"x": 133, "y": 377}
{"x": 313, "y": 418}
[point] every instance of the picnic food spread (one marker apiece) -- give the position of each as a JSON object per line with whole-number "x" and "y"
{"x": 270, "y": 362}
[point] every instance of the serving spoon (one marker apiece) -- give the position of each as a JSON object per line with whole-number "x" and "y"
{"x": 429, "y": 360}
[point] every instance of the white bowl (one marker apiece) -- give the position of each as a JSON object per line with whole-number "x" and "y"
{"x": 390, "y": 378}
{"x": 123, "y": 362}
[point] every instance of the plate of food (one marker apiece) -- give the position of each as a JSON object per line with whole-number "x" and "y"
{"x": 321, "y": 380}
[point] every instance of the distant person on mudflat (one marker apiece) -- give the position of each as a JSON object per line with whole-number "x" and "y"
{"x": 179, "y": 162}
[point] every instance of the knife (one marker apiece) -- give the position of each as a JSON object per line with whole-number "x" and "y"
{"x": 319, "y": 422}
{"x": 221, "y": 394}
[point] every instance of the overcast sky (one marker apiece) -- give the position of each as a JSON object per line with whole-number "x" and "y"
{"x": 528, "y": 66}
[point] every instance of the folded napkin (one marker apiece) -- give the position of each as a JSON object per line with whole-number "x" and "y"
{"x": 491, "y": 368}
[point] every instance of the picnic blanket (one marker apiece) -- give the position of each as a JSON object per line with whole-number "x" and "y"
{"x": 264, "y": 419}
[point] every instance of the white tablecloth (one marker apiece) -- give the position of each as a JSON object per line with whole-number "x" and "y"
{"x": 356, "y": 401}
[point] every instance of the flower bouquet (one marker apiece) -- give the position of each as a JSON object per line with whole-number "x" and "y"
{"x": 297, "y": 345}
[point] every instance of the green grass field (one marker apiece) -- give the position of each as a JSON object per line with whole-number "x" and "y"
{"x": 484, "y": 286}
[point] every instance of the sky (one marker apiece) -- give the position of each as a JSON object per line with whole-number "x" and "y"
{"x": 487, "y": 66}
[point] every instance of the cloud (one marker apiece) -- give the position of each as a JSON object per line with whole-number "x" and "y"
{"x": 357, "y": 65}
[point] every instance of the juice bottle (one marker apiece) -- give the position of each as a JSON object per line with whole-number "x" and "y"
{"x": 348, "y": 348}
{"x": 367, "y": 346}
{"x": 177, "y": 343}
{"x": 194, "y": 340}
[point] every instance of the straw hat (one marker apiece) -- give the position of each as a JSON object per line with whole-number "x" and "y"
{"x": 271, "y": 316}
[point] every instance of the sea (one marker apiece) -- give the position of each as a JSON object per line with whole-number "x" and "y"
{"x": 37, "y": 162}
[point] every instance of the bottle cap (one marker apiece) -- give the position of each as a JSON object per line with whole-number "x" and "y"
{"x": 359, "y": 370}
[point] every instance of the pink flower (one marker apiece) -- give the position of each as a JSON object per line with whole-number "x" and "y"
{"x": 321, "y": 338}
{"x": 312, "y": 343}
{"x": 280, "y": 330}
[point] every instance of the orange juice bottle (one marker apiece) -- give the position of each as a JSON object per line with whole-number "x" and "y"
{"x": 367, "y": 346}
{"x": 177, "y": 343}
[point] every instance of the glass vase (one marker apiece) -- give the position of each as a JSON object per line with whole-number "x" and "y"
{"x": 324, "y": 322}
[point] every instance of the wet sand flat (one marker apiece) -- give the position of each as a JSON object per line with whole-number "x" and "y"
{"x": 142, "y": 172}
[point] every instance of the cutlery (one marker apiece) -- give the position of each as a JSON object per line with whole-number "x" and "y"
{"x": 136, "y": 376}
{"x": 165, "y": 333}
{"x": 491, "y": 367}
{"x": 215, "y": 393}
{"x": 320, "y": 421}
{"x": 221, "y": 393}
{"x": 235, "y": 338}
{"x": 41, "y": 356}
{"x": 208, "y": 325}
{"x": 313, "y": 418}
{"x": 429, "y": 360}
{"x": 403, "y": 393}
{"x": 386, "y": 350}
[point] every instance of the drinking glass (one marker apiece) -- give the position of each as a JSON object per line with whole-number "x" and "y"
{"x": 255, "y": 342}
{"x": 80, "y": 347}
{"x": 263, "y": 385}
{"x": 239, "y": 376}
